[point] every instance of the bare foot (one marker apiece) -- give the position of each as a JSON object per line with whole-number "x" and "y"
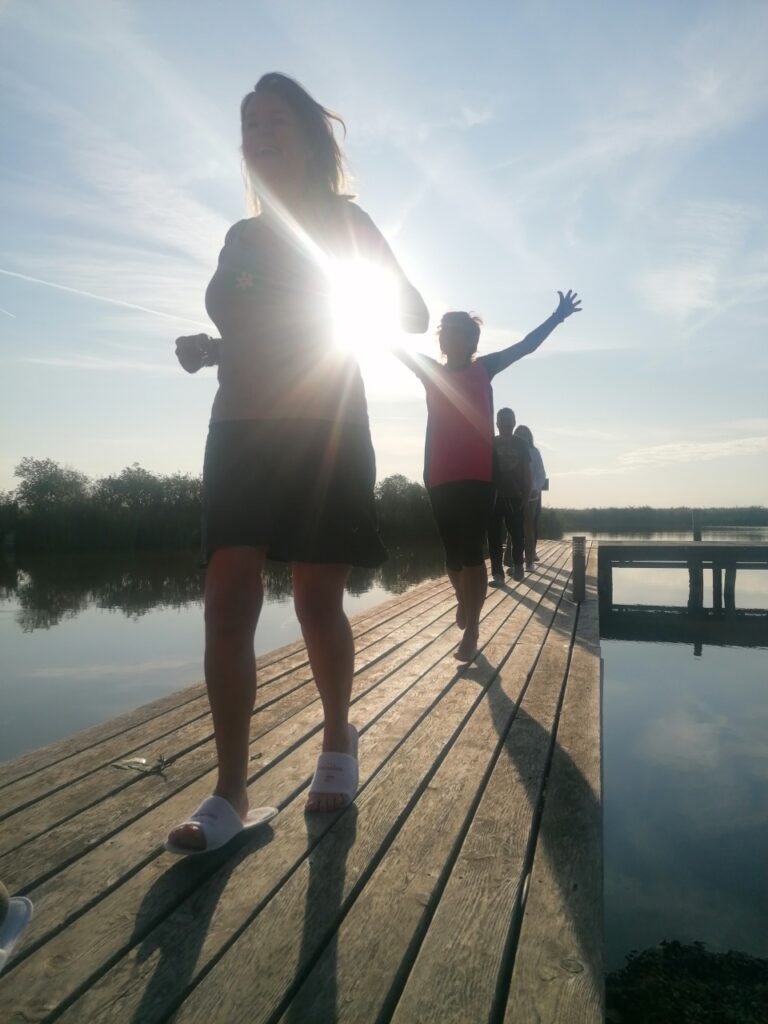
{"x": 325, "y": 803}
{"x": 192, "y": 837}
{"x": 467, "y": 649}
{"x": 461, "y": 617}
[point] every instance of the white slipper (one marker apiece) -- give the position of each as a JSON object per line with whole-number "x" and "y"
{"x": 17, "y": 915}
{"x": 337, "y": 773}
{"x": 219, "y": 823}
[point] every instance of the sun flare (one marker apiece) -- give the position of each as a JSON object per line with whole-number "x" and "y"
{"x": 364, "y": 304}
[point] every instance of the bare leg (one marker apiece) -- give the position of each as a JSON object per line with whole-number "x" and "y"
{"x": 233, "y": 599}
{"x": 456, "y": 576}
{"x": 475, "y": 589}
{"x": 318, "y": 595}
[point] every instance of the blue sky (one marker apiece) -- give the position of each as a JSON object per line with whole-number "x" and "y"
{"x": 505, "y": 149}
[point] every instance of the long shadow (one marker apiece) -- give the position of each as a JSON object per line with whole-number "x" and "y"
{"x": 195, "y": 884}
{"x": 519, "y": 735}
{"x": 322, "y": 916}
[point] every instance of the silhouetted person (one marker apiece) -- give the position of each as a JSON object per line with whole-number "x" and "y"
{"x": 512, "y": 465}
{"x": 289, "y": 467}
{"x": 458, "y": 469}
{"x": 533, "y": 505}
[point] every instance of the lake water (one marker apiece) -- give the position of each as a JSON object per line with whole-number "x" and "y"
{"x": 685, "y": 755}
{"x": 685, "y": 776}
{"x": 87, "y": 637}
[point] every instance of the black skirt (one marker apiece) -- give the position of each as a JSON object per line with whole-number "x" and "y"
{"x": 303, "y": 489}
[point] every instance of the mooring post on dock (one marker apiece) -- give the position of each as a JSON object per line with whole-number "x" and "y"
{"x": 730, "y": 589}
{"x": 695, "y": 585}
{"x": 696, "y": 523}
{"x": 604, "y": 580}
{"x": 579, "y": 568}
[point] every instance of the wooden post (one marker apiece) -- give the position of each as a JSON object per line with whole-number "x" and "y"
{"x": 695, "y": 586}
{"x": 579, "y": 569}
{"x": 696, "y": 523}
{"x": 717, "y": 588}
{"x": 730, "y": 589}
{"x": 604, "y": 580}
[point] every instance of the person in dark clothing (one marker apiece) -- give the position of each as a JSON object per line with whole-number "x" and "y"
{"x": 512, "y": 475}
{"x": 289, "y": 469}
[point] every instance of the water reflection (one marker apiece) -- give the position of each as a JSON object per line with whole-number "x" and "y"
{"x": 48, "y": 590}
{"x": 684, "y": 769}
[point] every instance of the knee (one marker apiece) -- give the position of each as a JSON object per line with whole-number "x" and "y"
{"x": 233, "y": 606}
{"x": 315, "y": 608}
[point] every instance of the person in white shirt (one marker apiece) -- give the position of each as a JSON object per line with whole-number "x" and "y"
{"x": 533, "y": 506}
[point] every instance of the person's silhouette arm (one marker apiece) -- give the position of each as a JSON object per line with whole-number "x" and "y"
{"x": 568, "y": 304}
{"x": 414, "y": 315}
{"x": 422, "y": 366}
{"x": 197, "y": 350}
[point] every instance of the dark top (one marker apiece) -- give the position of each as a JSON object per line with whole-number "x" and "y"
{"x": 270, "y": 300}
{"x": 511, "y": 456}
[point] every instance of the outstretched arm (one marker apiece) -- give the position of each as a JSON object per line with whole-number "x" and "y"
{"x": 414, "y": 315}
{"x": 418, "y": 364}
{"x": 568, "y": 304}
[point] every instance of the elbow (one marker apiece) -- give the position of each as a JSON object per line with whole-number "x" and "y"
{"x": 415, "y": 318}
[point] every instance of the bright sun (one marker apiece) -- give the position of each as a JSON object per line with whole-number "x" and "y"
{"x": 365, "y": 308}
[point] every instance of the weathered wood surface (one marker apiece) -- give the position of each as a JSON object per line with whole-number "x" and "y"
{"x": 407, "y": 906}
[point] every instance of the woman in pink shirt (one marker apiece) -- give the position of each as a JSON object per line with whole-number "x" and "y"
{"x": 458, "y": 462}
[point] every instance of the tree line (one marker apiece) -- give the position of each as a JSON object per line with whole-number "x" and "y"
{"x": 57, "y": 508}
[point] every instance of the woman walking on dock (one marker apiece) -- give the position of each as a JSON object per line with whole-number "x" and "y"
{"x": 458, "y": 464}
{"x": 289, "y": 468}
{"x": 533, "y": 505}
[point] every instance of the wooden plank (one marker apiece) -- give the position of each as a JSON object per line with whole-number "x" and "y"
{"x": 400, "y": 671}
{"x": 198, "y": 930}
{"x": 81, "y": 949}
{"x": 137, "y": 742}
{"x": 558, "y": 967}
{"x": 457, "y": 972}
{"x": 134, "y": 743}
{"x": 54, "y": 831}
{"x": 62, "y": 749}
{"x": 360, "y": 971}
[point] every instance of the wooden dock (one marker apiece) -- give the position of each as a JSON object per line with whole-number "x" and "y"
{"x": 693, "y": 623}
{"x": 464, "y": 884}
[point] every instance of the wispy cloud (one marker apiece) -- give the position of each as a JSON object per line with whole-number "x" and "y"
{"x": 695, "y": 451}
{"x": 712, "y": 264}
{"x": 100, "y": 298}
{"x": 88, "y": 362}
{"x": 592, "y": 471}
{"x": 142, "y": 198}
{"x": 588, "y": 433}
{"x": 7, "y": 313}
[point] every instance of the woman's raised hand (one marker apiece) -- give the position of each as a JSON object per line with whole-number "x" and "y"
{"x": 569, "y": 303}
{"x": 192, "y": 351}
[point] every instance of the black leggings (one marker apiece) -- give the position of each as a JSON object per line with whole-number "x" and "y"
{"x": 462, "y": 510}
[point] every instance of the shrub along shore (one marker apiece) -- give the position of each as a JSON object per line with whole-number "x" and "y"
{"x": 57, "y": 508}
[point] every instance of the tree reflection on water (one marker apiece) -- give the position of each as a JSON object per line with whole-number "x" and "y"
{"x": 48, "y": 589}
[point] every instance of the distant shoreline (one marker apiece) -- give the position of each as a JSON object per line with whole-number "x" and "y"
{"x": 57, "y": 508}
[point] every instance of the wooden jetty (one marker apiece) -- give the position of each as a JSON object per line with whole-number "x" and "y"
{"x": 722, "y": 624}
{"x": 464, "y": 884}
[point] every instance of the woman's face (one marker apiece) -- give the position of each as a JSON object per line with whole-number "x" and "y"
{"x": 274, "y": 143}
{"x": 455, "y": 343}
